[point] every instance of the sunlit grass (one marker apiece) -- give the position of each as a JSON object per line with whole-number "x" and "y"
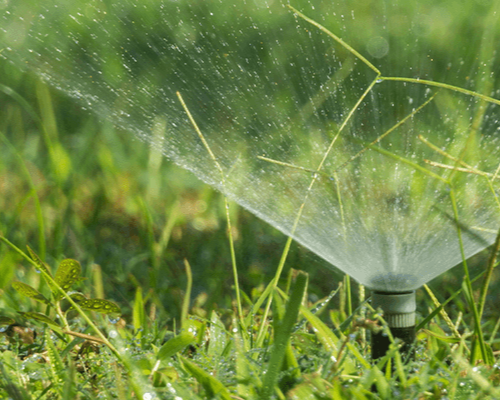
{"x": 166, "y": 260}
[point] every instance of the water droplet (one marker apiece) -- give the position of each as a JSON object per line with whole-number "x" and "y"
{"x": 148, "y": 396}
{"x": 112, "y": 334}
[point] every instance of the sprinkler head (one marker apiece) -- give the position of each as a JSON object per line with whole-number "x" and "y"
{"x": 399, "y": 313}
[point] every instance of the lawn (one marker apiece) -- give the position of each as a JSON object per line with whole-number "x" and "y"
{"x": 119, "y": 276}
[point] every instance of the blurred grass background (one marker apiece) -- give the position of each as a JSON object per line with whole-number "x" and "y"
{"x": 73, "y": 185}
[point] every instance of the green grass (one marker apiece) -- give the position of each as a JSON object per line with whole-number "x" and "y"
{"x": 153, "y": 239}
{"x": 197, "y": 346}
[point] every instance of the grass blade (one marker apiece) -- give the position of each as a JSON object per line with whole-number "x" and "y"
{"x": 226, "y": 205}
{"x": 336, "y": 38}
{"x": 443, "y": 86}
{"x": 187, "y": 296}
{"x": 489, "y": 271}
{"x": 437, "y": 310}
{"x": 213, "y": 387}
{"x": 467, "y": 286}
{"x": 138, "y": 315}
{"x": 282, "y": 335}
{"x": 174, "y": 345}
{"x": 322, "y": 331}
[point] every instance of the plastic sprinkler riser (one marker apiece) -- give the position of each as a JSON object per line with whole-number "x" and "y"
{"x": 399, "y": 313}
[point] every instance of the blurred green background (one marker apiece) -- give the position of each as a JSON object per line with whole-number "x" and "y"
{"x": 74, "y": 185}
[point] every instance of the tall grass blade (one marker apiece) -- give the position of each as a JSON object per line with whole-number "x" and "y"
{"x": 443, "y": 313}
{"x": 98, "y": 281}
{"x": 282, "y": 335}
{"x": 489, "y": 272}
{"x": 187, "y": 296}
{"x": 387, "y": 132}
{"x": 167, "y": 230}
{"x": 138, "y": 314}
{"x": 467, "y": 286}
{"x": 59, "y": 158}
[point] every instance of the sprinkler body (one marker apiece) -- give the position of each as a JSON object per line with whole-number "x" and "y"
{"x": 399, "y": 313}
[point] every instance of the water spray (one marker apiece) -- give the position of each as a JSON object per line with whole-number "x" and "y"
{"x": 379, "y": 206}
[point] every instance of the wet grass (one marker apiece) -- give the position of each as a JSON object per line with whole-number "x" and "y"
{"x": 154, "y": 240}
{"x": 138, "y": 226}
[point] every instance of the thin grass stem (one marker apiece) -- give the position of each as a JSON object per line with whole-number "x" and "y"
{"x": 447, "y": 155}
{"x": 336, "y": 38}
{"x": 394, "y": 127}
{"x": 467, "y": 281}
{"x": 409, "y": 163}
{"x": 479, "y": 379}
{"x": 443, "y": 312}
{"x": 348, "y": 294}
{"x": 459, "y": 169}
{"x": 293, "y": 166}
{"x": 437, "y": 310}
{"x": 442, "y": 85}
{"x": 226, "y": 206}
{"x": 468, "y": 168}
{"x": 492, "y": 189}
{"x": 495, "y": 175}
{"x": 324, "y": 93}
{"x": 393, "y": 78}
{"x": 494, "y": 332}
{"x": 260, "y": 336}
{"x": 187, "y": 296}
{"x": 469, "y": 171}
{"x": 489, "y": 272}
{"x": 341, "y": 206}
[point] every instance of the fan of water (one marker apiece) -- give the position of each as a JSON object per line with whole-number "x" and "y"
{"x": 313, "y": 133}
